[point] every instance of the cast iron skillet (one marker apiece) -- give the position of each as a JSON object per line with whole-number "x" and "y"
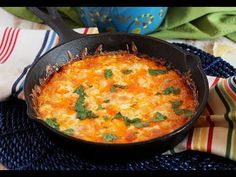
{"x": 75, "y": 43}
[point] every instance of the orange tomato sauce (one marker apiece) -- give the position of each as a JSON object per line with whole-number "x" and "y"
{"x": 116, "y": 98}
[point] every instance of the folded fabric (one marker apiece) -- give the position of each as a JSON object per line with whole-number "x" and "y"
{"x": 18, "y": 49}
{"x": 180, "y": 22}
{"x": 198, "y": 23}
{"x": 214, "y": 132}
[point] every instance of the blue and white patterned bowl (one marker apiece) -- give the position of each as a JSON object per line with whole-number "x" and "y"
{"x": 139, "y": 20}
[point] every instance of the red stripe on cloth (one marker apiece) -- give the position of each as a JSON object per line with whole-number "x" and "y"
{"x": 8, "y": 45}
{"x": 209, "y": 109}
{"x": 3, "y": 37}
{"x": 215, "y": 82}
{"x": 189, "y": 141}
{"x": 229, "y": 91}
{"x": 12, "y": 46}
{"x": 86, "y": 30}
{"x": 211, "y": 128}
{"x": 6, "y": 42}
{"x": 211, "y": 123}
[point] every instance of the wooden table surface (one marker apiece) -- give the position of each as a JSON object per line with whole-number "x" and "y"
{"x": 219, "y": 47}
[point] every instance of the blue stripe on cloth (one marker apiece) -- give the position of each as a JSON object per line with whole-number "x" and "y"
{"x": 14, "y": 91}
{"x": 51, "y": 41}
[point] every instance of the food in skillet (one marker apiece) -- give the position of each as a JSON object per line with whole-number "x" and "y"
{"x": 116, "y": 97}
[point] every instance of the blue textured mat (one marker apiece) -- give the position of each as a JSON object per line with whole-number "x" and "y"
{"x": 25, "y": 146}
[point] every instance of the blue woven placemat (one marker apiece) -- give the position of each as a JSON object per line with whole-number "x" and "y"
{"x": 25, "y": 146}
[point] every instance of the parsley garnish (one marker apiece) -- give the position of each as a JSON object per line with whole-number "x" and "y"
{"x": 159, "y": 117}
{"x": 178, "y": 111}
{"x": 126, "y": 71}
{"x": 105, "y": 118}
{"x": 69, "y": 131}
{"x": 186, "y": 112}
{"x": 170, "y": 90}
{"x": 80, "y": 92}
{"x": 108, "y": 73}
{"x": 106, "y": 101}
{"x": 155, "y": 72}
{"x": 113, "y": 89}
{"x": 109, "y": 137}
{"x": 100, "y": 107}
{"x": 115, "y": 86}
{"x": 158, "y": 93}
{"x": 52, "y": 122}
{"x": 82, "y": 112}
{"x": 141, "y": 124}
{"x": 118, "y": 116}
{"x": 130, "y": 121}
{"x": 135, "y": 121}
{"x": 176, "y": 104}
{"x": 169, "y": 66}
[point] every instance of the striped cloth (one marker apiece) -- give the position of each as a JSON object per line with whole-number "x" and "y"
{"x": 214, "y": 132}
{"x": 18, "y": 49}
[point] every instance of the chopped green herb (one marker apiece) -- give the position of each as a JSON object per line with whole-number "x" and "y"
{"x": 109, "y": 137}
{"x": 82, "y": 112}
{"x": 86, "y": 114}
{"x": 130, "y": 121}
{"x": 106, "y": 101}
{"x": 79, "y": 107}
{"x": 126, "y": 71}
{"x": 169, "y": 66}
{"x": 170, "y": 90}
{"x": 176, "y": 104}
{"x": 178, "y": 111}
{"x": 141, "y": 124}
{"x": 158, "y": 93}
{"x": 105, "y": 126}
{"x": 105, "y": 118}
{"x": 155, "y": 72}
{"x": 52, "y": 122}
{"x": 100, "y": 107}
{"x": 115, "y": 86}
{"x": 120, "y": 86}
{"x": 188, "y": 113}
{"x": 118, "y": 116}
{"x": 69, "y": 131}
{"x": 108, "y": 73}
{"x": 136, "y": 121}
{"x": 80, "y": 91}
{"x": 159, "y": 117}
{"x": 113, "y": 89}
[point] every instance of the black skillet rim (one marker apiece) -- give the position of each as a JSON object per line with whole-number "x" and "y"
{"x": 188, "y": 125}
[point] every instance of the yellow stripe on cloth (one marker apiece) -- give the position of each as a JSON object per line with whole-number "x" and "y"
{"x": 200, "y": 134}
{"x": 204, "y": 135}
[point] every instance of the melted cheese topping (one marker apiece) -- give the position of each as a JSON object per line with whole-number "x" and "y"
{"x": 138, "y": 94}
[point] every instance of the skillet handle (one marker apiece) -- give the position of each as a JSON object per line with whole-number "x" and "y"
{"x": 54, "y": 20}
